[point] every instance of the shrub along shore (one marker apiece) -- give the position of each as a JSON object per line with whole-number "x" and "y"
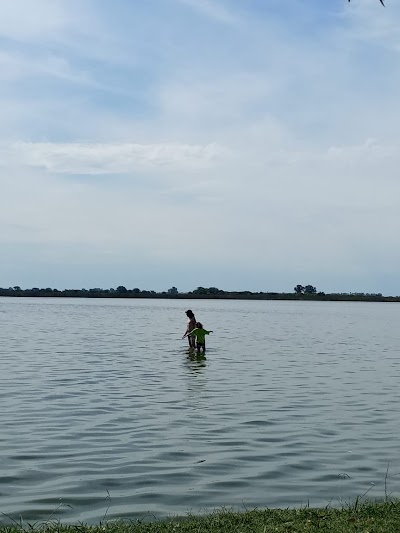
{"x": 368, "y": 517}
{"x": 300, "y": 293}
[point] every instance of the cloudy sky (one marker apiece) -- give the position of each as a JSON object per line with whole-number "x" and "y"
{"x": 243, "y": 144}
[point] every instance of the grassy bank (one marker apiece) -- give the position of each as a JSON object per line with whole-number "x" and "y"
{"x": 381, "y": 517}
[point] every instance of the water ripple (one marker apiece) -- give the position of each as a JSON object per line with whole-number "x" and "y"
{"x": 101, "y": 416}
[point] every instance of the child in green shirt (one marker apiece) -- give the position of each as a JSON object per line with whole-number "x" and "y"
{"x": 200, "y": 333}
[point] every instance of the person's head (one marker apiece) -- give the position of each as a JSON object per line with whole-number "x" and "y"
{"x": 199, "y": 325}
{"x": 189, "y": 313}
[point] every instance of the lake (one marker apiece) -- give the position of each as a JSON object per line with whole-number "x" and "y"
{"x": 104, "y": 413}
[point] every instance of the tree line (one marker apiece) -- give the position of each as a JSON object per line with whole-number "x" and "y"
{"x": 300, "y": 292}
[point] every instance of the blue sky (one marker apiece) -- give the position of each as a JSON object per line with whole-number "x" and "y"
{"x": 243, "y": 144}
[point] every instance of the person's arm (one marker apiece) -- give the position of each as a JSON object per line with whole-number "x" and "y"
{"x": 189, "y": 333}
{"x": 186, "y": 333}
{"x": 208, "y": 332}
{"x": 187, "y": 330}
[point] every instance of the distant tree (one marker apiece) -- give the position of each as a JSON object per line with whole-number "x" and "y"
{"x": 309, "y": 289}
{"x": 200, "y": 290}
{"x": 17, "y": 288}
{"x": 213, "y": 290}
{"x": 122, "y": 290}
{"x": 135, "y": 290}
{"x": 299, "y": 289}
{"x": 173, "y": 290}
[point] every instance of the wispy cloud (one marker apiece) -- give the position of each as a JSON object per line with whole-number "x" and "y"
{"x": 111, "y": 158}
{"x": 214, "y": 10}
{"x": 369, "y": 25}
{"x": 22, "y": 21}
{"x": 17, "y": 66}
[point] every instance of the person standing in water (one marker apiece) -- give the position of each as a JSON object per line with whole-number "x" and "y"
{"x": 190, "y": 326}
{"x": 200, "y": 335}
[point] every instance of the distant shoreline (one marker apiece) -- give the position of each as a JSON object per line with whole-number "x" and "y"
{"x": 245, "y": 295}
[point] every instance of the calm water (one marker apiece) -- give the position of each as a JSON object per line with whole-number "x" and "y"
{"x": 101, "y": 407}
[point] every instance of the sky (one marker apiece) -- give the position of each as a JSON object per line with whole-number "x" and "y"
{"x": 241, "y": 144}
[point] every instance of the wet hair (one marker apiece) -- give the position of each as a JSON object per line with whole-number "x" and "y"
{"x": 199, "y": 325}
{"x": 190, "y": 313}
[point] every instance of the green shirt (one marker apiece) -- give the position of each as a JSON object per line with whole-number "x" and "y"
{"x": 200, "y": 334}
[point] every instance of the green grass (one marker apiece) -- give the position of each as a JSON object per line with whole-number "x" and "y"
{"x": 368, "y": 517}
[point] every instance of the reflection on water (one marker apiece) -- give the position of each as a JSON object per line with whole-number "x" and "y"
{"x": 195, "y": 362}
{"x": 97, "y": 412}
{"x": 195, "y": 377}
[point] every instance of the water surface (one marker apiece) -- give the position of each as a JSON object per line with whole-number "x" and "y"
{"x": 103, "y": 411}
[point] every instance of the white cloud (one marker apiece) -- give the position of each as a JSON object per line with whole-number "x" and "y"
{"x": 110, "y": 158}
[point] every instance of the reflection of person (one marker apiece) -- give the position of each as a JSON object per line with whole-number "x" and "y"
{"x": 190, "y": 325}
{"x": 200, "y": 334}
